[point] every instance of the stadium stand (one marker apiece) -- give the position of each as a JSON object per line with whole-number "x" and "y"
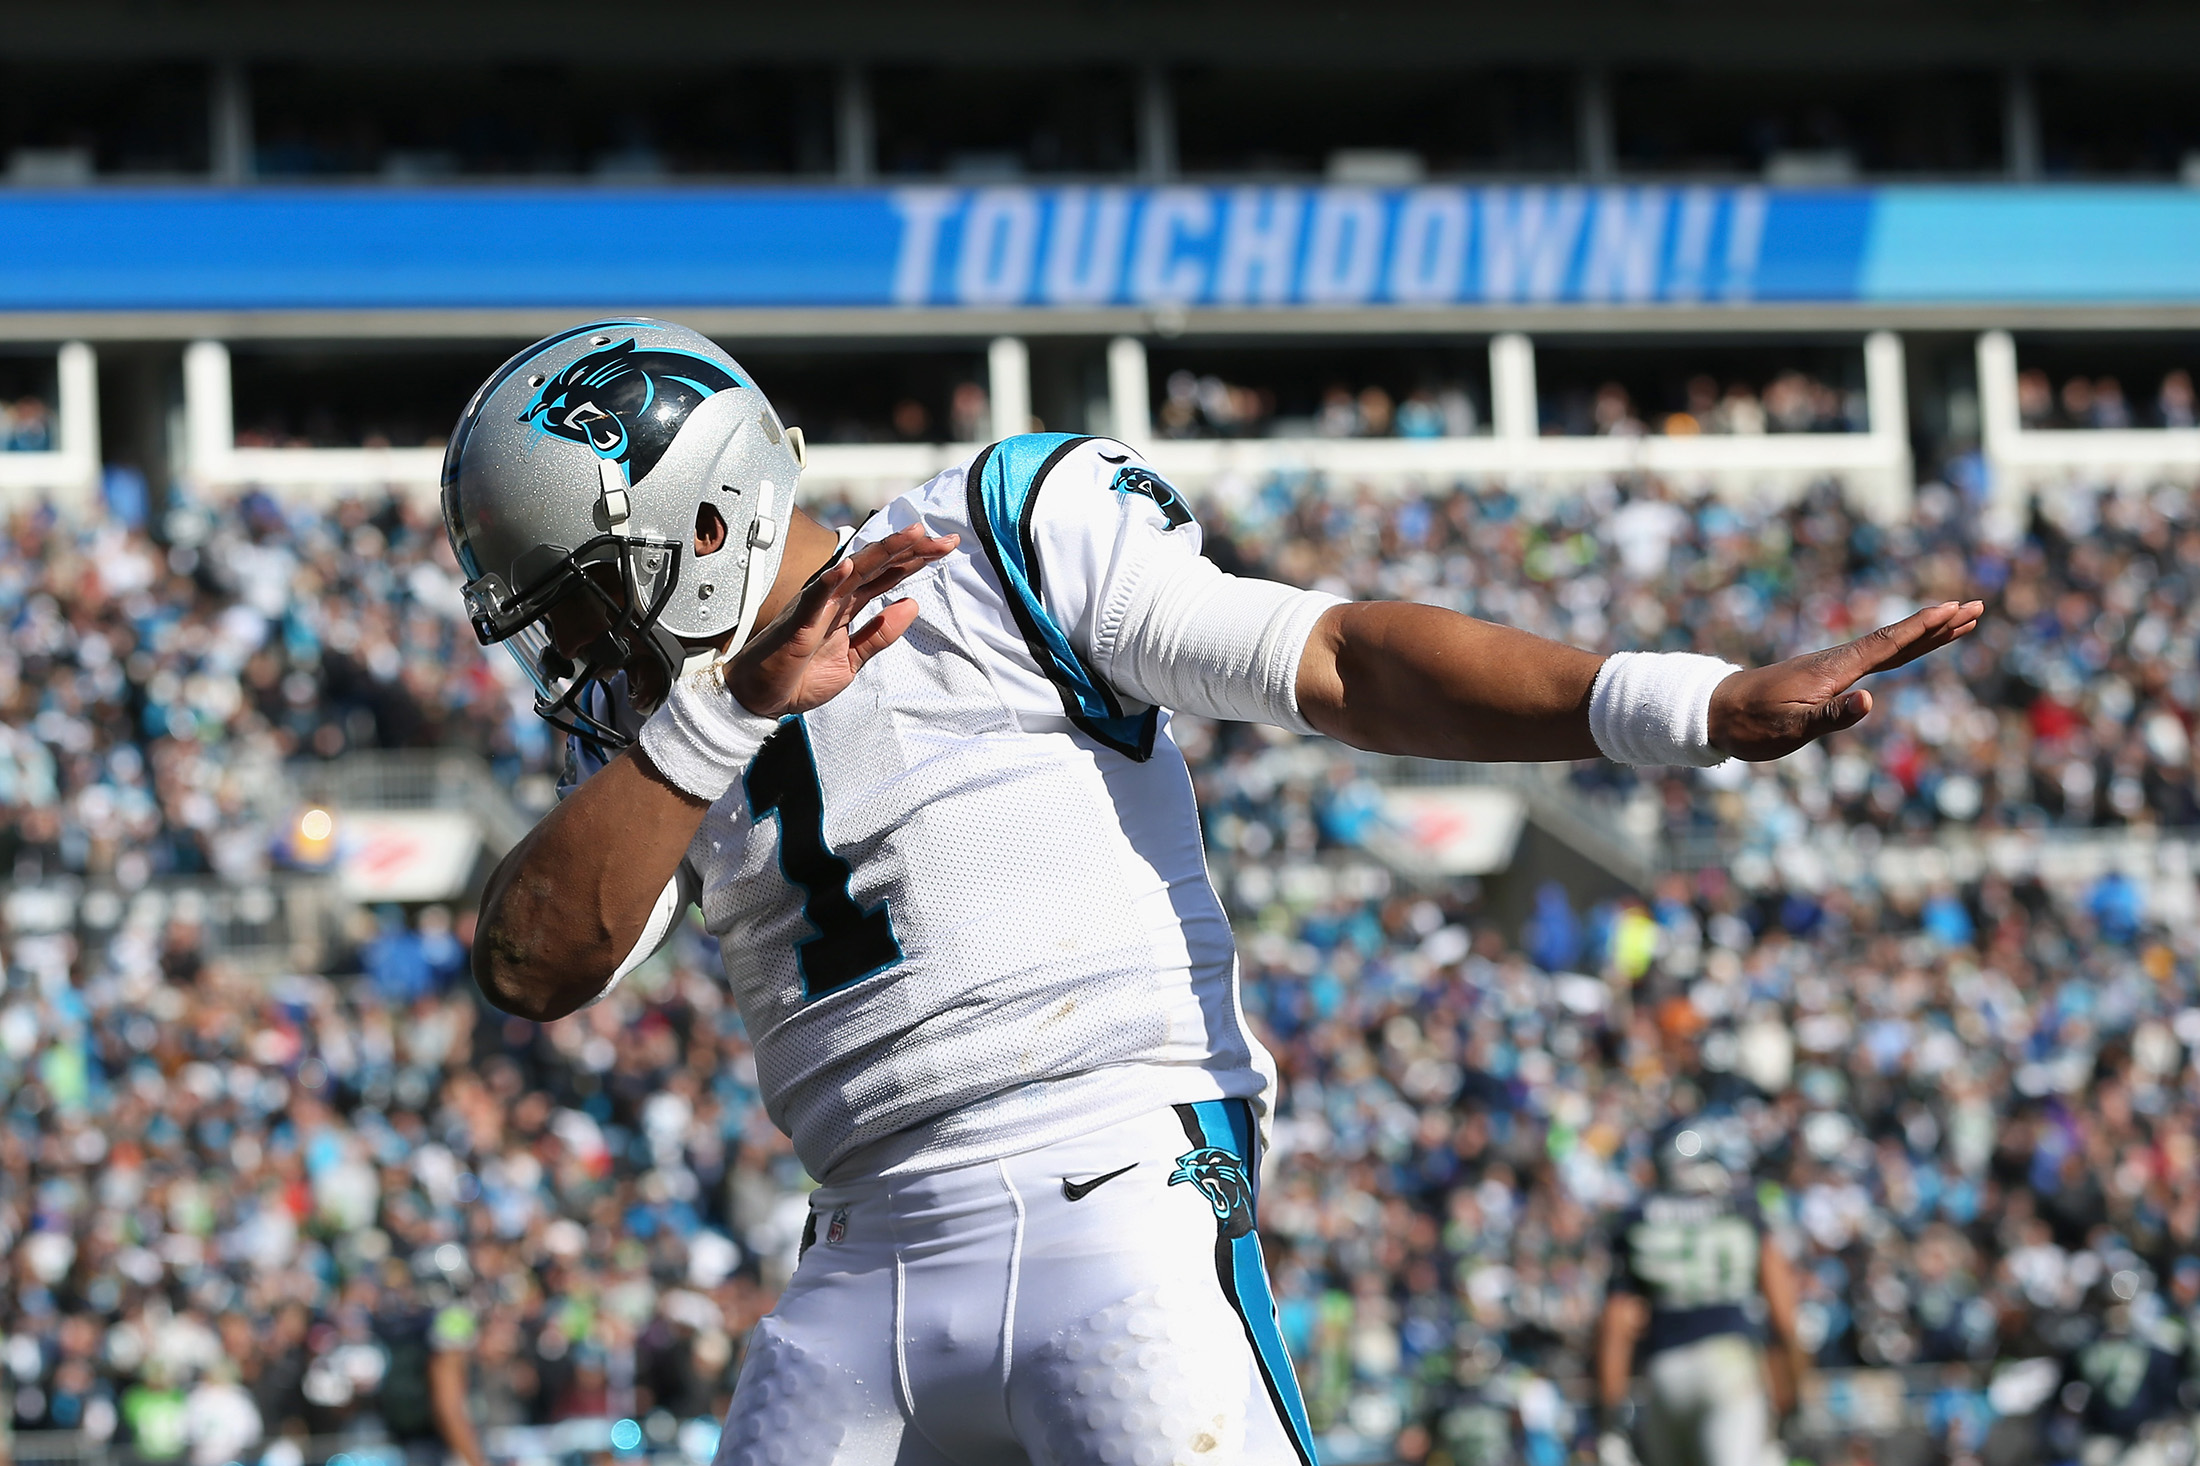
{"x": 1714, "y": 326}
{"x": 1967, "y": 1090}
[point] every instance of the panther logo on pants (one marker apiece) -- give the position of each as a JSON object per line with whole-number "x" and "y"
{"x": 1220, "y": 1176}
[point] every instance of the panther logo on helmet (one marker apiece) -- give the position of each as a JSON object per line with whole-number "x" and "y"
{"x": 669, "y": 423}
{"x": 626, "y": 405}
{"x": 1220, "y": 1177}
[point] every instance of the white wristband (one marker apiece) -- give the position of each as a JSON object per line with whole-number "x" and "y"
{"x": 701, "y": 740}
{"x": 1655, "y": 708}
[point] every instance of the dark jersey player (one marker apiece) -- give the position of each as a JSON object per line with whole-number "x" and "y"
{"x": 2125, "y": 1383}
{"x": 1697, "y": 1281}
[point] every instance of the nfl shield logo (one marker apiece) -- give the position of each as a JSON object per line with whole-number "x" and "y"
{"x": 836, "y": 1230}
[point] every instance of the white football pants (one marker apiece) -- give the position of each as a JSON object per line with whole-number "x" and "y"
{"x": 1707, "y": 1405}
{"x": 1101, "y": 1300}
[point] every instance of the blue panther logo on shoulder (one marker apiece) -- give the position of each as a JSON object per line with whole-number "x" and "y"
{"x": 1144, "y": 481}
{"x": 627, "y": 405}
{"x": 1220, "y": 1176}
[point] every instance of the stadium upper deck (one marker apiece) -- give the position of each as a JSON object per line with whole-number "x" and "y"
{"x": 1446, "y": 226}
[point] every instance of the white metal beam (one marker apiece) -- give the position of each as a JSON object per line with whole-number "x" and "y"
{"x": 209, "y": 414}
{"x": 1513, "y": 413}
{"x": 1130, "y": 391}
{"x": 1008, "y": 384}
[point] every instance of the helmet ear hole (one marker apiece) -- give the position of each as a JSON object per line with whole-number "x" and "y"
{"x": 710, "y": 529}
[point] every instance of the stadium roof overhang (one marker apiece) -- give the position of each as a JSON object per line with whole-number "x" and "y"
{"x": 1318, "y": 33}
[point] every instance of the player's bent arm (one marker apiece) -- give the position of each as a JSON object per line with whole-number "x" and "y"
{"x": 573, "y": 900}
{"x": 579, "y": 895}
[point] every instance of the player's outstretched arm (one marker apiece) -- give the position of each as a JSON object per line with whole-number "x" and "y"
{"x": 570, "y": 902}
{"x": 1398, "y": 678}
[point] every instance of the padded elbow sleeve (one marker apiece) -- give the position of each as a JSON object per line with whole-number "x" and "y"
{"x": 671, "y": 901}
{"x": 1191, "y": 638}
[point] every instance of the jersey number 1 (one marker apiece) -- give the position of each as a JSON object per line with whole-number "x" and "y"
{"x": 852, "y": 943}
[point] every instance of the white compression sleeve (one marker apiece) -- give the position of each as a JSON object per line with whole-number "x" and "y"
{"x": 701, "y": 739}
{"x": 1655, "y": 708}
{"x": 671, "y": 901}
{"x": 1191, "y": 638}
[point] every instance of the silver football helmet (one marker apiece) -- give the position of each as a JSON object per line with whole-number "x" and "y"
{"x": 592, "y": 464}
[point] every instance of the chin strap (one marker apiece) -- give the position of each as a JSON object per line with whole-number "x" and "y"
{"x": 767, "y": 547}
{"x": 719, "y": 654}
{"x": 617, "y": 503}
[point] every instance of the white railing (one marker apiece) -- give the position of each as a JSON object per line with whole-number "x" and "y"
{"x": 68, "y": 472}
{"x": 1875, "y": 465}
{"x": 213, "y": 460}
{"x": 2021, "y": 460}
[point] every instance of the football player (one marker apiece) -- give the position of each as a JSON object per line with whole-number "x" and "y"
{"x": 2124, "y": 1383}
{"x": 1694, "y": 1269}
{"x": 919, "y": 779}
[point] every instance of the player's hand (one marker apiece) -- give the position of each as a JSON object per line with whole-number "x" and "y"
{"x": 813, "y": 649}
{"x": 1770, "y": 712}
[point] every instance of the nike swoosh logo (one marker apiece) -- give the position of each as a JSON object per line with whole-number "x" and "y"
{"x": 1079, "y": 1190}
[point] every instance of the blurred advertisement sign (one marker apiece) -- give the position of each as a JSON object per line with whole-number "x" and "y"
{"x": 406, "y": 855}
{"x": 1468, "y": 830}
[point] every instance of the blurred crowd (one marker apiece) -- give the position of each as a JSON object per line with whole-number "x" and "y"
{"x": 327, "y": 429}
{"x": 240, "y": 1214}
{"x": 967, "y": 417}
{"x": 2099, "y": 402}
{"x": 2072, "y": 706}
{"x": 1791, "y": 402}
{"x": 150, "y": 693}
{"x": 1206, "y": 406}
{"x": 26, "y": 426}
{"x": 1957, "y": 1126}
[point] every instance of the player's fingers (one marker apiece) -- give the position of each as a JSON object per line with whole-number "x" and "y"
{"x": 819, "y": 604}
{"x": 1962, "y": 624}
{"x": 885, "y": 547}
{"x": 916, "y": 539}
{"x": 862, "y": 578}
{"x": 1836, "y": 713}
{"x": 856, "y": 600}
{"x": 1893, "y": 645}
{"x": 858, "y": 593}
{"x": 834, "y": 596}
{"x": 914, "y": 550}
{"x": 850, "y": 598}
{"x": 881, "y": 631}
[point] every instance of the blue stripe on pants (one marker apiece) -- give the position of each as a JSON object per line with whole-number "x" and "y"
{"x": 1228, "y": 1125}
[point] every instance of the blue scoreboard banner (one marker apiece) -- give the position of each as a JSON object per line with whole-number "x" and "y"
{"x": 1267, "y": 246}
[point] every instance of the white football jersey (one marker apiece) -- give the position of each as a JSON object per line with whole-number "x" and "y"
{"x": 964, "y": 905}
